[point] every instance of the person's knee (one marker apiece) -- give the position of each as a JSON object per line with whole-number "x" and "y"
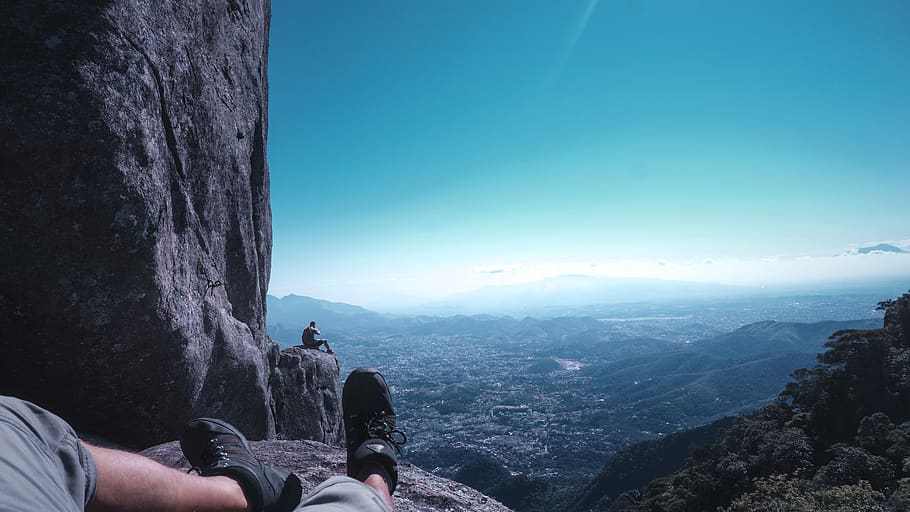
{"x": 344, "y": 492}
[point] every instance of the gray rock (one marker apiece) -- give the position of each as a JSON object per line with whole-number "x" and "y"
{"x": 313, "y": 462}
{"x": 134, "y": 213}
{"x": 306, "y": 394}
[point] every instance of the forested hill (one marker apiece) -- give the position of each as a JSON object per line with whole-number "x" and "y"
{"x": 634, "y": 466}
{"x": 838, "y": 439}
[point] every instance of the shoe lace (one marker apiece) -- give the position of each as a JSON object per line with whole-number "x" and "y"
{"x": 381, "y": 425}
{"x": 221, "y": 449}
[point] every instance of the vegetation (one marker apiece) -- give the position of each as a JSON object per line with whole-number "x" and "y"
{"x": 636, "y": 465}
{"x": 486, "y": 474}
{"x": 838, "y": 438}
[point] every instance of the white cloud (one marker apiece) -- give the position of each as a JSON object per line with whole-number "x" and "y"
{"x": 493, "y": 271}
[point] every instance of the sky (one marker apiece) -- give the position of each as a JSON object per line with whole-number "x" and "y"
{"x": 423, "y": 148}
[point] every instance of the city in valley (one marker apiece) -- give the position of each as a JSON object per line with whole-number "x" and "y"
{"x": 555, "y": 397}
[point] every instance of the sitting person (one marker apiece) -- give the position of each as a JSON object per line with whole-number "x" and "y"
{"x": 310, "y": 341}
{"x": 44, "y": 466}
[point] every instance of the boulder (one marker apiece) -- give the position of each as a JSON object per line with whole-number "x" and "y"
{"x": 134, "y": 205}
{"x": 306, "y": 395}
{"x": 313, "y": 462}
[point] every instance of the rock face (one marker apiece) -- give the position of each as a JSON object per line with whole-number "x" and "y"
{"x": 418, "y": 491}
{"x": 134, "y": 213}
{"x": 306, "y": 395}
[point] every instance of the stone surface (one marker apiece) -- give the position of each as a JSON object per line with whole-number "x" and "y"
{"x": 418, "y": 491}
{"x": 134, "y": 213}
{"x": 306, "y": 395}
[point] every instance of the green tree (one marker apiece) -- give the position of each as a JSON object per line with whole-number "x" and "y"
{"x": 781, "y": 494}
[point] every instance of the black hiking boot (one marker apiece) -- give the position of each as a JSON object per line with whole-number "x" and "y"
{"x": 371, "y": 438}
{"x": 216, "y": 448}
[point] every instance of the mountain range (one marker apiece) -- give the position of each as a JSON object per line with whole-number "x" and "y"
{"x": 572, "y": 295}
{"x": 574, "y": 291}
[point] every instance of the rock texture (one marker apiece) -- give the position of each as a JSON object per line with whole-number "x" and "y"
{"x": 134, "y": 212}
{"x": 306, "y": 395}
{"x": 418, "y": 491}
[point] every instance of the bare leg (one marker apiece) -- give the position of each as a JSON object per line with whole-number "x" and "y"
{"x": 379, "y": 484}
{"x": 131, "y": 482}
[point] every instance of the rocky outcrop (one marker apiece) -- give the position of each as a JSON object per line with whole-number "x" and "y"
{"x": 306, "y": 395}
{"x": 418, "y": 491}
{"x": 134, "y": 205}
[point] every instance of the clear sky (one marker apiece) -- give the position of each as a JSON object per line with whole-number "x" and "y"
{"x": 420, "y": 148}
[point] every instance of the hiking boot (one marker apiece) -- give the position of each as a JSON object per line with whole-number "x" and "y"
{"x": 216, "y": 448}
{"x": 369, "y": 425}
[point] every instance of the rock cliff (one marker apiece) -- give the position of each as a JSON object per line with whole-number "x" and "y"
{"x": 136, "y": 233}
{"x": 418, "y": 491}
{"x": 306, "y": 395}
{"x": 136, "y": 210}
{"x": 134, "y": 205}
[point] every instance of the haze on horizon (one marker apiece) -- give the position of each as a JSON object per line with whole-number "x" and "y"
{"x": 422, "y": 149}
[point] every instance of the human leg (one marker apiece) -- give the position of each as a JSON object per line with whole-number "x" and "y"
{"x": 372, "y": 441}
{"x": 216, "y": 448}
{"x": 377, "y": 482}
{"x": 127, "y": 481}
{"x": 44, "y": 466}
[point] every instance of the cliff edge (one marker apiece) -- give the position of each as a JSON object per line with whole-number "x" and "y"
{"x": 306, "y": 395}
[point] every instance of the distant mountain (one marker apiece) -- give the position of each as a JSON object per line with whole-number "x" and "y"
{"x": 770, "y": 336}
{"x": 578, "y": 290}
{"x": 880, "y": 248}
{"x": 291, "y": 307}
{"x": 286, "y": 317}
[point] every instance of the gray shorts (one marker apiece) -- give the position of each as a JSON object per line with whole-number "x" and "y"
{"x": 341, "y": 494}
{"x": 44, "y": 466}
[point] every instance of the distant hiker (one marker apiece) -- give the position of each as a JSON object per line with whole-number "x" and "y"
{"x": 310, "y": 341}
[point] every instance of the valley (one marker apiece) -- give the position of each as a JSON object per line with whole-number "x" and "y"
{"x": 554, "y": 398}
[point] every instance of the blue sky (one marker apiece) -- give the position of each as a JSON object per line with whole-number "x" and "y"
{"x": 417, "y": 146}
